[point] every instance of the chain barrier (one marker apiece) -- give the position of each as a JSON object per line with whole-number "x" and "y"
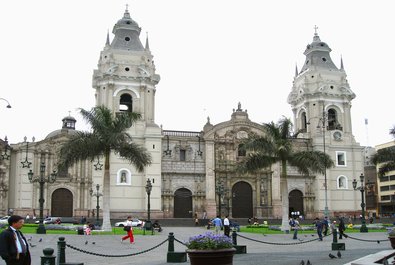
{"x": 182, "y": 243}
{"x": 365, "y": 240}
{"x": 283, "y": 244}
{"x": 115, "y": 256}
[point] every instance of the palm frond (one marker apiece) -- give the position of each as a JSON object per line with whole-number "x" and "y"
{"x": 136, "y": 154}
{"x": 386, "y": 167}
{"x": 384, "y": 155}
{"x": 311, "y": 161}
{"x": 83, "y": 145}
{"x": 254, "y": 162}
{"x": 392, "y": 131}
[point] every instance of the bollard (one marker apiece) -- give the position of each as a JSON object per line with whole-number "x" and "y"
{"x": 239, "y": 249}
{"x": 48, "y": 258}
{"x": 234, "y": 237}
{"x": 171, "y": 242}
{"x": 334, "y": 236}
{"x": 172, "y": 256}
{"x": 62, "y": 253}
{"x": 335, "y": 245}
{"x": 62, "y": 250}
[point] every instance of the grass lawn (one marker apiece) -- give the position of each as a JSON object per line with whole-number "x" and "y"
{"x": 31, "y": 229}
{"x": 266, "y": 230}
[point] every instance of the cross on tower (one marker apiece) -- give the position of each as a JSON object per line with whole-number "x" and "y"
{"x": 315, "y": 29}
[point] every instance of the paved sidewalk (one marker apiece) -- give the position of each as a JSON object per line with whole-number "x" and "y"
{"x": 272, "y": 252}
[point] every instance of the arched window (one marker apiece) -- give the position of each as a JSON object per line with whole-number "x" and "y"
{"x": 342, "y": 182}
{"x": 241, "y": 151}
{"x": 126, "y": 103}
{"x": 124, "y": 177}
{"x": 332, "y": 119}
{"x": 303, "y": 121}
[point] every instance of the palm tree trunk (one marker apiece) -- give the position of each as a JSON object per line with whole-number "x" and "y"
{"x": 284, "y": 197}
{"x": 106, "y": 226}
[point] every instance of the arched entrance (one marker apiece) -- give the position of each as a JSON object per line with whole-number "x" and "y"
{"x": 296, "y": 202}
{"x": 242, "y": 200}
{"x": 62, "y": 203}
{"x": 183, "y": 203}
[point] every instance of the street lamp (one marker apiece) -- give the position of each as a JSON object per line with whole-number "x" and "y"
{"x": 41, "y": 180}
{"x": 97, "y": 194}
{"x": 8, "y": 103}
{"x": 148, "y": 189}
{"x": 363, "y": 229}
{"x": 323, "y": 119}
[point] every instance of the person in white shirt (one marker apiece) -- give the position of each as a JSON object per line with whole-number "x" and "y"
{"x": 226, "y": 226}
{"x": 129, "y": 229}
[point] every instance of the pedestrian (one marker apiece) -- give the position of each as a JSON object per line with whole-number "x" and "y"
{"x": 83, "y": 220}
{"x": 129, "y": 229}
{"x": 196, "y": 219}
{"x": 333, "y": 227}
{"x": 342, "y": 227}
{"x": 319, "y": 226}
{"x": 13, "y": 245}
{"x": 204, "y": 215}
{"x": 296, "y": 227}
{"x": 326, "y": 225}
{"x": 226, "y": 226}
{"x": 27, "y": 218}
{"x": 217, "y": 222}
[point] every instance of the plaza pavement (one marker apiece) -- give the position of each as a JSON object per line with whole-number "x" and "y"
{"x": 257, "y": 253}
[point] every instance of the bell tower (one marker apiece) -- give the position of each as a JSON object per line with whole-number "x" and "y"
{"x": 321, "y": 104}
{"x": 125, "y": 81}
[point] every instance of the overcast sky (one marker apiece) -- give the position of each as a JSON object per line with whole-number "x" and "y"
{"x": 210, "y": 54}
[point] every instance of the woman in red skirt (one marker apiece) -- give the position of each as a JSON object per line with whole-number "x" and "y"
{"x": 129, "y": 229}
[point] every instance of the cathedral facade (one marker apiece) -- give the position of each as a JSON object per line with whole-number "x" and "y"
{"x": 191, "y": 172}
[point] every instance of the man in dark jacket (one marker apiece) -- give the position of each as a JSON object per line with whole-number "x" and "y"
{"x": 342, "y": 227}
{"x": 14, "y": 248}
{"x": 319, "y": 225}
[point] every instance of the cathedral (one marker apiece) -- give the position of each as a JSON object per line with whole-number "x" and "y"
{"x": 192, "y": 172}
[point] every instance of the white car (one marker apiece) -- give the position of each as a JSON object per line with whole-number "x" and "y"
{"x": 50, "y": 220}
{"x": 135, "y": 222}
{"x": 4, "y": 220}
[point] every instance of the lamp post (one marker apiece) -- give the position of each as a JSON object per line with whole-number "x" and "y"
{"x": 323, "y": 119}
{"x": 326, "y": 211}
{"x": 8, "y": 103}
{"x": 41, "y": 180}
{"x": 148, "y": 189}
{"x": 97, "y": 194}
{"x": 363, "y": 229}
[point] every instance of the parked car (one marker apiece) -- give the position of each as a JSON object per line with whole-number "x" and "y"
{"x": 4, "y": 220}
{"x": 50, "y": 220}
{"x": 135, "y": 222}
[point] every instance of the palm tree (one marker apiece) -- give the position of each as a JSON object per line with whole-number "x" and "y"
{"x": 108, "y": 135}
{"x": 385, "y": 157}
{"x": 276, "y": 145}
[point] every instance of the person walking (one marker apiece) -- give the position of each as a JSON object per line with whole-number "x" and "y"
{"x": 342, "y": 227}
{"x": 326, "y": 225}
{"x": 129, "y": 230}
{"x": 296, "y": 227}
{"x": 319, "y": 226}
{"x": 227, "y": 226}
{"x": 217, "y": 222}
{"x": 13, "y": 245}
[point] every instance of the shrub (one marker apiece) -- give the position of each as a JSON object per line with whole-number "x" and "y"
{"x": 209, "y": 241}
